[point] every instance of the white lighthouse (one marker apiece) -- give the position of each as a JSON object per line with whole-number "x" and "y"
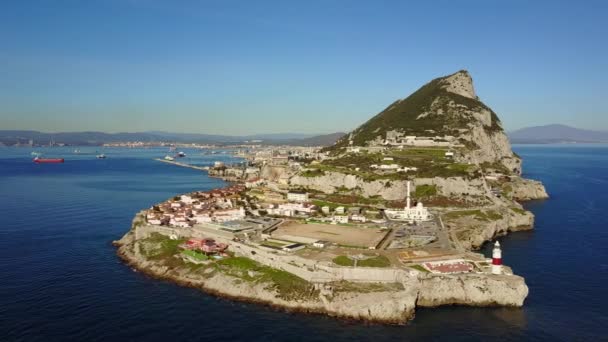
{"x": 496, "y": 259}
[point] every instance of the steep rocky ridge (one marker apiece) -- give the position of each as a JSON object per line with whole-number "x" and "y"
{"x": 446, "y": 106}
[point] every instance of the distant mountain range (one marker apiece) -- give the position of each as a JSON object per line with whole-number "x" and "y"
{"x": 549, "y": 134}
{"x": 17, "y": 137}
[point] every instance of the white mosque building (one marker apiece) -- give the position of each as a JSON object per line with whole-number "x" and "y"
{"x": 411, "y": 214}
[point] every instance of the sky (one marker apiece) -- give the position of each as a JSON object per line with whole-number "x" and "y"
{"x": 246, "y": 67}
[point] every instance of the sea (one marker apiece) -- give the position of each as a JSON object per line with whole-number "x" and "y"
{"x": 60, "y": 278}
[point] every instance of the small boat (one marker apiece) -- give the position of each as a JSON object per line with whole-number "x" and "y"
{"x": 169, "y": 158}
{"x": 180, "y": 154}
{"x": 39, "y": 160}
{"x": 101, "y": 156}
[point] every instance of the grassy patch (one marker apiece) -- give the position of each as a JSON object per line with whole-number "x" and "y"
{"x": 419, "y": 268}
{"x": 405, "y": 115}
{"x": 195, "y": 255}
{"x": 287, "y": 285}
{"x": 378, "y": 261}
{"x": 159, "y": 246}
{"x": 489, "y": 215}
{"x": 518, "y": 210}
{"x": 425, "y": 190}
{"x": 345, "y": 286}
{"x": 493, "y": 215}
{"x": 343, "y": 260}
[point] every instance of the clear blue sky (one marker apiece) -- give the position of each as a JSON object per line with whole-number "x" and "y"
{"x": 239, "y": 67}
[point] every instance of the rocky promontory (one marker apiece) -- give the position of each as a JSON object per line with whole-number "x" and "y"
{"x": 370, "y": 228}
{"x": 392, "y": 302}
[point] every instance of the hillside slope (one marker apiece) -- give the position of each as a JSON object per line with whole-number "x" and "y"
{"x": 445, "y": 108}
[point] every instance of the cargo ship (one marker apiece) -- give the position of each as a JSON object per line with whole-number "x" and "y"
{"x": 48, "y": 160}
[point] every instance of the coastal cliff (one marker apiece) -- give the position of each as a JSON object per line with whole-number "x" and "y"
{"x": 441, "y": 142}
{"x": 391, "y": 303}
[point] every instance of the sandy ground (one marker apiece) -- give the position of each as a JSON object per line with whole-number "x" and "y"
{"x": 343, "y": 235}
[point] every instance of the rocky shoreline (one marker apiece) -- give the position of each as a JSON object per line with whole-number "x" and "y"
{"x": 393, "y": 303}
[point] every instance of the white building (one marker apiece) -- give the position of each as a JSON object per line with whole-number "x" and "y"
{"x": 409, "y": 213}
{"x": 320, "y": 244}
{"x": 290, "y": 209}
{"x": 201, "y": 218}
{"x": 186, "y": 199}
{"x": 229, "y": 215}
{"x": 340, "y": 219}
{"x": 358, "y": 218}
{"x": 297, "y": 196}
{"x": 325, "y": 209}
{"x": 339, "y": 210}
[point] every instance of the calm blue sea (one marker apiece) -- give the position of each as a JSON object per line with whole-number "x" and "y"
{"x": 60, "y": 279}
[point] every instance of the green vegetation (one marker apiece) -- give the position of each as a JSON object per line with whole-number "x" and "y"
{"x": 493, "y": 215}
{"x": 158, "y": 246}
{"x": 346, "y": 286}
{"x": 195, "y": 255}
{"x": 496, "y": 166}
{"x": 489, "y": 215}
{"x": 343, "y": 260}
{"x": 287, "y": 285}
{"x": 405, "y": 115}
{"x": 377, "y": 261}
{"x": 420, "y": 153}
{"x": 312, "y": 173}
{"x": 419, "y": 268}
{"x": 518, "y": 210}
{"x": 430, "y": 162}
{"x": 425, "y": 190}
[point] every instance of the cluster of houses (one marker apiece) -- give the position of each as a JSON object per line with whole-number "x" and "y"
{"x": 218, "y": 205}
{"x": 291, "y": 209}
{"x": 283, "y": 155}
{"x": 343, "y": 215}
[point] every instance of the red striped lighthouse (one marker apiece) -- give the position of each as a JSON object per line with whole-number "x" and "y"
{"x": 496, "y": 259}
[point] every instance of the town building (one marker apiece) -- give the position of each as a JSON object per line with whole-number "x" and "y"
{"x": 296, "y": 196}
{"x": 340, "y": 219}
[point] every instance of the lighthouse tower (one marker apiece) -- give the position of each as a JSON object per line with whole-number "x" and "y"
{"x": 496, "y": 259}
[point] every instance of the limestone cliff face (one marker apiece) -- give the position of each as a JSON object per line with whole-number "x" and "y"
{"x": 472, "y": 288}
{"x": 389, "y": 190}
{"x": 459, "y": 83}
{"x": 472, "y": 234}
{"x": 527, "y": 189}
{"x": 394, "y": 306}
